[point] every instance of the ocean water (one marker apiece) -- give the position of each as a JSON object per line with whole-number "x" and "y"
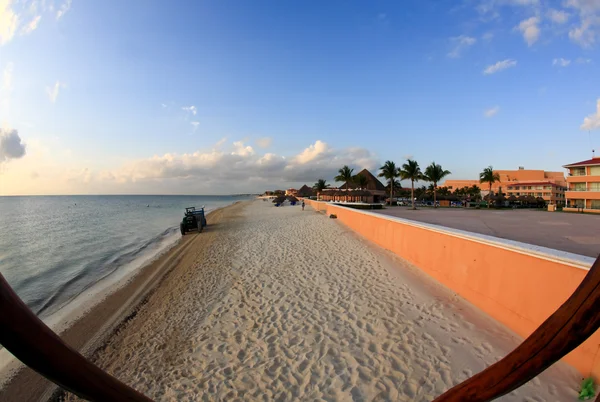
{"x": 53, "y": 248}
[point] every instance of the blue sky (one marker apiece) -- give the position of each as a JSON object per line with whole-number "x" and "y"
{"x": 228, "y": 96}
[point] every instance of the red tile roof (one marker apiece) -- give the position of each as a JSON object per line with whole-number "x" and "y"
{"x": 589, "y": 162}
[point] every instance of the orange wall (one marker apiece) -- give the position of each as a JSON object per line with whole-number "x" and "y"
{"x": 518, "y": 288}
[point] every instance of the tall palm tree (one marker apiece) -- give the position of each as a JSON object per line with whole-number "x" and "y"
{"x": 320, "y": 185}
{"x": 411, "y": 171}
{"x": 345, "y": 174}
{"x": 360, "y": 180}
{"x": 489, "y": 176}
{"x": 390, "y": 172}
{"x": 435, "y": 173}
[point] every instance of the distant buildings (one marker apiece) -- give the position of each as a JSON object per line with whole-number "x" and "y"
{"x": 522, "y": 182}
{"x": 583, "y": 192}
{"x": 291, "y": 191}
{"x": 372, "y": 192}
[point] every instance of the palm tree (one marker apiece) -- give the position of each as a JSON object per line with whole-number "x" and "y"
{"x": 489, "y": 176}
{"x": 411, "y": 171}
{"x": 435, "y": 173}
{"x": 360, "y": 180}
{"x": 320, "y": 185}
{"x": 345, "y": 174}
{"x": 390, "y": 172}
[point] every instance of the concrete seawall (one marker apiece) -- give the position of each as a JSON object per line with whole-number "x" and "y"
{"x": 518, "y": 284}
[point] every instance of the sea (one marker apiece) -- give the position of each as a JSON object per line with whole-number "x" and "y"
{"x": 55, "y": 248}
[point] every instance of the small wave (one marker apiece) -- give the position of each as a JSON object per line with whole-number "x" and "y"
{"x": 98, "y": 270}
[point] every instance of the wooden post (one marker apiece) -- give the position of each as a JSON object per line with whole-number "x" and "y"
{"x": 569, "y": 326}
{"x": 25, "y": 336}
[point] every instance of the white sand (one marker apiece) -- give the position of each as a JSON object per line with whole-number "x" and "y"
{"x": 291, "y": 305}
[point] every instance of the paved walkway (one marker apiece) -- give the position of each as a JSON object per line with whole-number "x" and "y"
{"x": 575, "y": 233}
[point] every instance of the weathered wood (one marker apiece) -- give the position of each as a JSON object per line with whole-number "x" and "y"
{"x": 569, "y": 326}
{"x": 31, "y": 341}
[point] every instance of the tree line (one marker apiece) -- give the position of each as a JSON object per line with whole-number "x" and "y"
{"x": 434, "y": 173}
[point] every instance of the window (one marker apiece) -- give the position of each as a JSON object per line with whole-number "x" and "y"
{"x": 578, "y": 203}
{"x": 510, "y": 187}
{"x": 595, "y": 171}
{"x": 595, "y": 204}
{"x": 528, "y": 187}
{"x": 548, "y": 188}
{"x": 577, "y": 171}
{"x": 594, "y": 186}
{"x": 578, "y": 187}
{"x": 547, "y": 194}
{"x": 539, "y": 187}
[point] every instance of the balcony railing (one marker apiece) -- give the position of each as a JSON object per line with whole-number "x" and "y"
{"x": 588, "y": 190}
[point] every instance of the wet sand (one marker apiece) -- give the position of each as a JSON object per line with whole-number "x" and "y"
{"x": 90, "y": 331}
{"x": 284, "y": 304}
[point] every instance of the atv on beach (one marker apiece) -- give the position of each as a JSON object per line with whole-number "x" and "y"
{"x": 193, "y": 219}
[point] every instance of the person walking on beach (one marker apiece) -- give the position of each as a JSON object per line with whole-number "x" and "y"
{"x": 303, "y": 205}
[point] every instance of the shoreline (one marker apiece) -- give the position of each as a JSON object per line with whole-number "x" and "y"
{"x": 94, "y": 325}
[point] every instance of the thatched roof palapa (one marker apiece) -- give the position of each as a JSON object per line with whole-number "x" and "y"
{"x": 372, "y": 182}
{"x": 305, "y": 191}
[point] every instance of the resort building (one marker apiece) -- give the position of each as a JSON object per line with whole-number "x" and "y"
{"x": 550, "y": 186}
{"x": 583, "y": 192}
{"x": 291, "y": 191}
{"x": 552, "y": 193}
{"x": 373, "y": 192}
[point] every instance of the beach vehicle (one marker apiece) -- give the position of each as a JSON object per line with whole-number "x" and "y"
{"x": 193, "y": 219}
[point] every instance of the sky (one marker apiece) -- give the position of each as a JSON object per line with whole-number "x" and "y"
{"x": 220, "y": 97}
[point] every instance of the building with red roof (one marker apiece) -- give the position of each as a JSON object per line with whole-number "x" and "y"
{"x": 583, "y": 186}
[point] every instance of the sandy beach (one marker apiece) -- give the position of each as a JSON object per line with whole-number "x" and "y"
{"x": 284, "y": 304}
{"x": 88, "y": 330}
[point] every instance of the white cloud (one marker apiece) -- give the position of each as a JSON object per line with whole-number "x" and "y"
{"x": 32, "y": 26}
{"x": 195, "y": 124}
{"x": 264, "y": 142}
{"x": 488, "y": 36}
{"x": 63, "y": 9}
{"x": 8, "y": 21}
{"x": 558, "y": 16}
{"x": 561, "y": 62}
{"x": 11, "y": 146}
{"x": 460, "y": 44}
{"x": 582, "y": 60}
{"x": 530, "y": 30}
{"x": 499, "y": 66}
{"x": 163, "y": 105}
{"x": 491, "y": 111}
{"x": 584, "y": 34}
{"x": 244, "y": 165}
{"x": 592, "y": 122}
{"x": 192, "y": 109}
{"x": 53, "y": 91}
{"x": 241, "y": 149}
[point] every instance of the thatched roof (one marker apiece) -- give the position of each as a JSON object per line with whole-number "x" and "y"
{"x": 372, "y": 182}
{"x": 305, "y": 191}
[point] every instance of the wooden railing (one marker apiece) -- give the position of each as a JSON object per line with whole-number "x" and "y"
{"x": 32, "y": 342}
{"x": 575, "y": 321}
